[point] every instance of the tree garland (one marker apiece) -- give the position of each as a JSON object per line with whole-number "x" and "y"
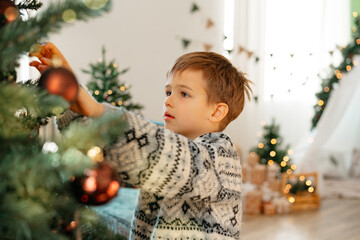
{"x": 328, "y": 84}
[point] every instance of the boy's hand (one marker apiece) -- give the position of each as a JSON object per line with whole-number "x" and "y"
{"x": 50, "y": 56}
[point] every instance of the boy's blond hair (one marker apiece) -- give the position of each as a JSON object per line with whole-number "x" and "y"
{"x": 223, "y": 82}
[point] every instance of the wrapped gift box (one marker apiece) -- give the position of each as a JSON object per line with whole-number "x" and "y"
{"x": 258, "y": 174}
{"x": 253, "y": 159}
{"x": 253, "y": 202}
{"x": 275, "y": 185}
{"x": 269, "y": 209}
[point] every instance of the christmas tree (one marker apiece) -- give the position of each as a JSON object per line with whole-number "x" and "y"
{"x": 38, "y": 179}
{"x": 105, "y": 85}
{"x": 269, "y": 149}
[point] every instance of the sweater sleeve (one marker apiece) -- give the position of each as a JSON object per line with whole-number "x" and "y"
{"x": 167, "y": 164}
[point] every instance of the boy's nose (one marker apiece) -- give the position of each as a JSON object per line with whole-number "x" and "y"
{"x": 168, "y": 101}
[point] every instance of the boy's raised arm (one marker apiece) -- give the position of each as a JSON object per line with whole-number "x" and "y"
{"x": 50, "y": 56}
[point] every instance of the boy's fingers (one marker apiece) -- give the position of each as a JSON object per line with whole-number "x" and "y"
{"x": 34, "y": 63}
{"x": 42, "y": 68}
{"x": 39, "y": 66}
{"x": 36, "y": 50}
{"x": 50, "y": 50}
{"x": 35, "y": 54}
{"x": 46, "y": 61}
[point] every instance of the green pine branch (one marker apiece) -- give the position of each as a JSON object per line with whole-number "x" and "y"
{"x": 17, "y": 37}
{"x": 29, "y": 5}
{"x": 329, "y": 83}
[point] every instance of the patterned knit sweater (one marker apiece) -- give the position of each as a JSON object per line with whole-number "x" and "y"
{"x": 188, "y": 189}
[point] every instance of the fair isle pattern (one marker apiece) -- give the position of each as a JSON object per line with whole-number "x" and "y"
{"x": 189, "y": 189}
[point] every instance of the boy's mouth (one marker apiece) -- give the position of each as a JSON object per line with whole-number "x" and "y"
{"x": 167, "y": 116}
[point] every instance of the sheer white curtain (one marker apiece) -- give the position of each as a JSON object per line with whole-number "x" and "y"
{"x": 295, "y": 41}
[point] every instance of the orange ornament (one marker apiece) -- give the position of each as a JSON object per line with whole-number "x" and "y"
{"x": 98, "y": 186}
{"x": 60, "y": 81}
{"x": 8, "y": 12}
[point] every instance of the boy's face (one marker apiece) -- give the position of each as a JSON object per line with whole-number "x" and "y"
{"x": 186, "y": 109}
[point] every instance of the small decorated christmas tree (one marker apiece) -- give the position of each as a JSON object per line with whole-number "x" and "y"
{"x": 105, "y": 84}
{"x": 270, "y": 151}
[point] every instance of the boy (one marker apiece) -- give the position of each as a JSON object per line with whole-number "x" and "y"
{"x": 189, "y": 173}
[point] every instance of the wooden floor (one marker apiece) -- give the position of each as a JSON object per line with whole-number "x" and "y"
{"x": 337, "y": 219}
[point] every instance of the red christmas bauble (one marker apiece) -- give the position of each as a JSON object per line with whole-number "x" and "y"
{"x": 8, "y": 12}
{"x": 98, "y": 186}
{"x": 60, "y": 81}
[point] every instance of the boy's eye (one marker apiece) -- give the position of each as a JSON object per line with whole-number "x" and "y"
{"x": 167, "y": 93}
{"x": 184, "y": 94}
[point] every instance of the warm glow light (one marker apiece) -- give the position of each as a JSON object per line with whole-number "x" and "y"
{"x": 261, "y": 145}
{"x": 288, "y": 186}
{"x": 289, "y": 171}
{"x": 109, "y": 92}
{"x": 358, "y": 41}
{"x": 97, "y": 92}
{"x": 113, "y": 188}
{"x": 355, "y": 62}
{"x": 293, "y": 167}
{"x": 302, "y": 178}
{"x": 120, "y": 103}
{"x": 338, "y": 76}
{"x": 290, "y": 151}
{"x": 72, "y": 224}
{"x": 355, "y": 14}
{"x": 95, "y": 154}
{"x": 93, "y": 151}
{"x": 326, "y": 89}
{"x": 115, "y": 65}
{"x": 122, "y": 88}
{"x": 348, "y": 68}
{"x": 272, "y": 153}
{"x": 283, "y": 163}
{"x": 286, "y": 190}
{"x": 308, "y": 183}
{"x": 263, "y": 123}
{"x": 113, "y": 103}
{"x": 273, "y": 141}
{"x": 286, "y": 158}
{"x": 101, "y": 198}
{"x": 291, "y": 199}
{"x": 259, "y": 134}
{"x": 320, "y": 102}
{"x": 90, "y": 184}
{"x": 252, "y": 154}
{"x": 311, "y": 189}
{"x": 69, "y": 15}
{"x": 270, "y": 162}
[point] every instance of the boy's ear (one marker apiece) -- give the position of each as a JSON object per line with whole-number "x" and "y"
{"x": 220, "y": 112}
